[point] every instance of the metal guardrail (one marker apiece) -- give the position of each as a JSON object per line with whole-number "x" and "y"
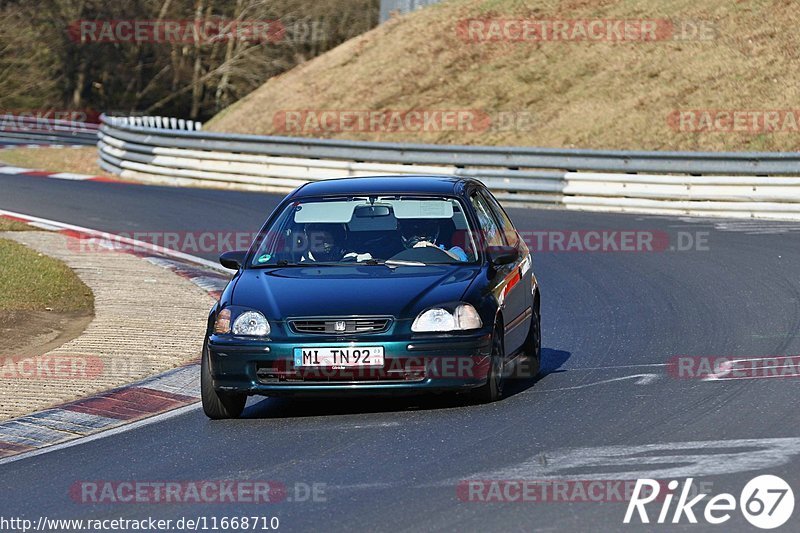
{"x": 22, "y": 130}
{"x": 731, "y": 184}
{"x": 388, "y": 7}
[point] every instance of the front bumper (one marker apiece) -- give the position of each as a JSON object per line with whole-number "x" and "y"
{"x": 414, "y": 365}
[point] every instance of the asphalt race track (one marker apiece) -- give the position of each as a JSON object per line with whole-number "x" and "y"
{"x": 611, "y": 322}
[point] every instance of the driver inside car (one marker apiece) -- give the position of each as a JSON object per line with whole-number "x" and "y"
{"x": 325, "y": 244}
{"x": 420, "y": 232}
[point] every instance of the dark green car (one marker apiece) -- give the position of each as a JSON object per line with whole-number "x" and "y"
{"x": 375, "y": 286}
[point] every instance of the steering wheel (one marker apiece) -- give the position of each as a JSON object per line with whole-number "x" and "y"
{"x": 425, "y": 254}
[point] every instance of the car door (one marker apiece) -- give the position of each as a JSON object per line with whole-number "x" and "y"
{"x": 506, "y": 282}
{"x": 520, "y": 295}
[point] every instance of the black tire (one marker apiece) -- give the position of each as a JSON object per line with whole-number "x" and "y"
{"x": 217, "y": 405}
{"x": 533, "y": 343}
{"x": 492, "y": 390}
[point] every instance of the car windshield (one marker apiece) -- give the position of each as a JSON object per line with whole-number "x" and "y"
{"x": 380, "y": 230}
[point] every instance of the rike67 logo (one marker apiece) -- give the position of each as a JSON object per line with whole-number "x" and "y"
{"x": 766, "y": 502}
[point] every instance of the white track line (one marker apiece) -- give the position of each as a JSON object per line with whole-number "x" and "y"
{"x": 615, "y": 367}
{"x": 14, "y": 170}
{"x": 751, "y": 377}
{"x": 71, "y": 176}
{"x": 125, "y": 240}
{"x": 103, "y": 434}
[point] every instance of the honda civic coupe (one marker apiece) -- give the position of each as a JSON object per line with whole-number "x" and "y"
{"x": 375, "y": 286}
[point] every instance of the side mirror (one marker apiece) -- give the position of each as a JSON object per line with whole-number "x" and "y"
{"x": 233, "y": 259}
{"x": 502, "y": 255}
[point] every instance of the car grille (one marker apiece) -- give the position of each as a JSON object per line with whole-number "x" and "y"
{"x": 341, "y": 326}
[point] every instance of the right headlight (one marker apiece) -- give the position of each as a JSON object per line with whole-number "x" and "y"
{"x": 251, "y": 324}
{"x": 464, "y": 317}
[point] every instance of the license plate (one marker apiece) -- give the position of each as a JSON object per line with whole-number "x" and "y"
{"x": 345, "y": 357}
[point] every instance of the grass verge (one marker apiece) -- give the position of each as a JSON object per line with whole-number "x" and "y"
{"x": 31, "y": 281}
{"x": 13, "y": 225}
{"x": 76, "y": 160}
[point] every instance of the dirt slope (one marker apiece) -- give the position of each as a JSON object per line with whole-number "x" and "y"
{"x": 553, "y": 88}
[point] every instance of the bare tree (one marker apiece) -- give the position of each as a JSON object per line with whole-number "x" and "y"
{"x": 196, "y": 79}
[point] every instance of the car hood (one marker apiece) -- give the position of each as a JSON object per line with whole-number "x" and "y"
{"x": 343, "y": 291}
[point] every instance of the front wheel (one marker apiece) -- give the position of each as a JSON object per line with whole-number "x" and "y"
{"x": 492, "y": 390}
{"x": 533, "y": 343}
{"x": 217, "y": 405}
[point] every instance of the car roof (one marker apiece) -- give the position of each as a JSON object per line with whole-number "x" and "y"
{"x": 444, "y": 185}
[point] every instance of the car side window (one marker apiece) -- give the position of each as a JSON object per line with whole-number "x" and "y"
{"x": 489, "y": 228}
{"x": 506, "y": 226}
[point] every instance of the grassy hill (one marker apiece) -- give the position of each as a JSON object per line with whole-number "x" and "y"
{"x": 570, "y": 93}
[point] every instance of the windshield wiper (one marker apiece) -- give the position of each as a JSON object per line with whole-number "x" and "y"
{"x": 280, "y": 264}
{"x": 400, "y": 262}
{"x": 284, "y": 263}
{"x": 370, "y": 262}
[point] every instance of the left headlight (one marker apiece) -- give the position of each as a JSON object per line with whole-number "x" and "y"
{"x": 251, "y": 324}
{"x": 463, "y": 317}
